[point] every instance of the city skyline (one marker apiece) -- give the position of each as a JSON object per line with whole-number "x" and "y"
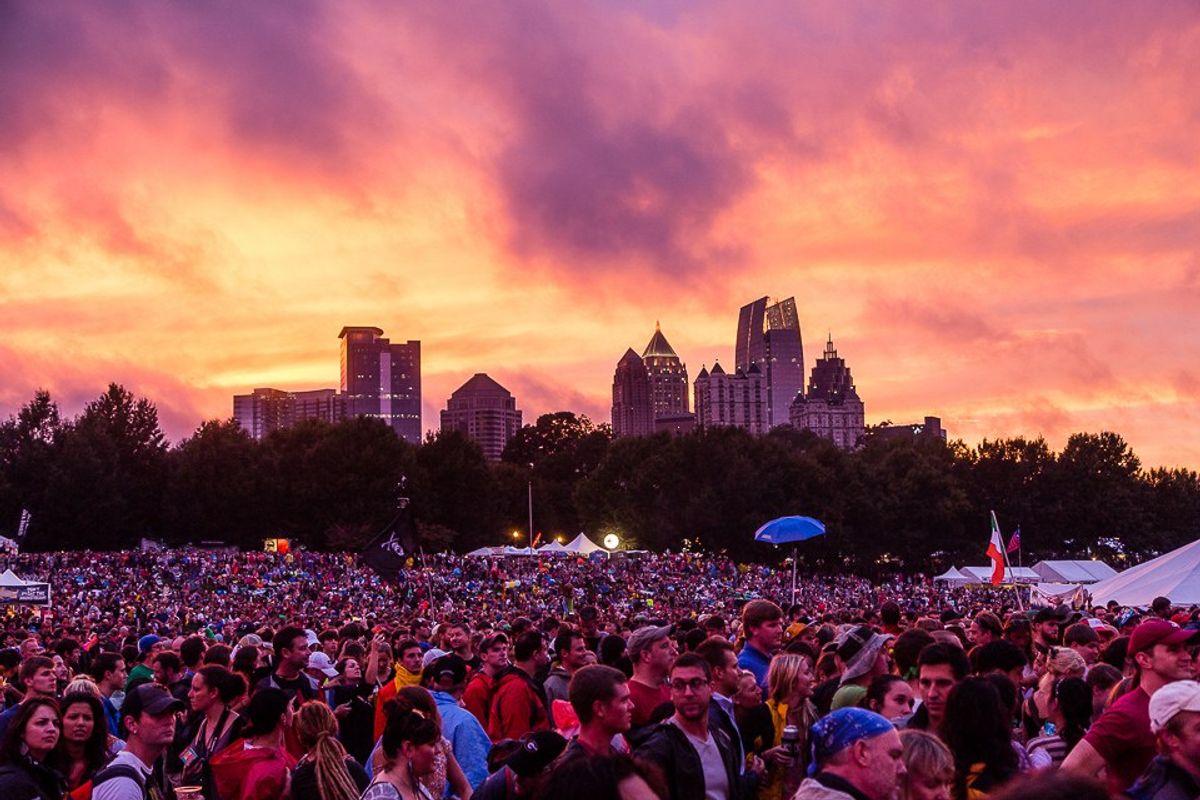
{"x": 993, "y": 207}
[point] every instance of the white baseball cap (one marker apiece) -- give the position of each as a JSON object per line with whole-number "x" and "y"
{"x": 1170, "y": 700}
{"x": 320, "y": 661}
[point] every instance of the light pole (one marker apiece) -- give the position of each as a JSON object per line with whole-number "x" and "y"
{"x": 531, "y": 509}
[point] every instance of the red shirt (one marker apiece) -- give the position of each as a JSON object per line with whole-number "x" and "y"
{"x": 1122, "y": 737}
{"x": 646, "y": 699}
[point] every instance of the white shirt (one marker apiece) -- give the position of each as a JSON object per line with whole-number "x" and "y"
{"x": 716, "y": 780}
{"x": 122, "y": 788}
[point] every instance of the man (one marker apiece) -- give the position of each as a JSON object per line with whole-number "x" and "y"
{"x": 589, "y": 626}
{"x": 445, "y": 679}
{"x": 330, "y": 643}
{"x": 652, "y": 651}
{"x": 168, "y": 673}
{"x": 697, "y": 760}
{"x": 857, "y": 755}
{"x": 762, "y": 625}
{"x": 191, "y": 653}
{"x": 518, "y": 704}
{"x": 1175, "y": 720}
{"x": 525, "y": 770}
{"x": 1161, "y": 607}
{"x": 292, "y": 651}
{"x": 36, "y": 674}
{"x": 148, "y": 725}
{"x": 108, "y": 671}
{"x": 726, "y": 677}
{"x": 571, "y": 654}
{"x": 1122, "y": 741}
{"x": 939, "y": 668}
{"x": 143, "y": 672}
{"x": 1000, "y": 656}
{"x": 458, "y": 639}
{"x": 477, "y": 696}
{"x": 985, "y": 628}
{"x": 1045, "y": 630}
{"x": 31, "y": 647}
{"x": 320, "y": 668}
{"x": 408, "y": 673}
{"x": 600, "y": 697}
{"x": 1083, "y": 639}
{"x": 860, "y": 657}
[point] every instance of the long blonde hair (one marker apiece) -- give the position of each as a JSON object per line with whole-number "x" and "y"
{"x": 925, "y": 757}
{"x": 782, "y": 674}
{"x": 317, "y": 728}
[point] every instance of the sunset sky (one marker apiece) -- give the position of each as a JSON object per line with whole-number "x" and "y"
{"x": 994, "y": 207}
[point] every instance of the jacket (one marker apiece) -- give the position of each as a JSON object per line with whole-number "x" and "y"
{"x": 556, "y": 684}
{"x": 825, "y": 787}
{"x": 1163, "y": 780}
{"x": 256, "y": 773}
{"x": 477, "y": 696}
{"x": 518, "y": 706}
{"x": 669, "y": 748}
{"x": 26, "y": 779}
{"x": 388, "y": 691}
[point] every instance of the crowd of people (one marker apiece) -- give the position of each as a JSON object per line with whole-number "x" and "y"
{"x": 219, "y": 675}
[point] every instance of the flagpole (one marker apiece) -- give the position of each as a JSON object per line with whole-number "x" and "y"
{"x": 1008, "y": 566}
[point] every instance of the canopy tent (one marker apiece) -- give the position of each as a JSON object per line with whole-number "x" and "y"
{"x": 1073, "y": 571}
{"x": 1175, "y": 575}
{"x": 1011, "y": 574}
{"x": 551, "y": 548}
{"x": 582, "y": 546}
{"x": 517, "y": 551}
{"x": 486, "y": 552}
{"x": 14, "y": 590}
{"x": 953, "y": 577}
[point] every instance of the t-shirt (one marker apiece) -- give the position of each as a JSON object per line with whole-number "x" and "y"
{"x": 121, "y": 787}
{"x": 646, "y": 699}
{"x": 301, "y": 685}
{"x": 1123, "y": 739}
{"x": 716, "y": 779}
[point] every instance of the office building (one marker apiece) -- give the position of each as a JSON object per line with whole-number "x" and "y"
{"x": 831, "y": 407}
{"x": 931, "y": 428}
{"x": 768, "y": 336}
{"x": 739, "y": 400}
{"x": 486, "y": 412}
{"x": 382, "y": 379}
{"x": 668, "y": 376}
{"x": 632, "y": 408}
{"x": 266, "y": 410}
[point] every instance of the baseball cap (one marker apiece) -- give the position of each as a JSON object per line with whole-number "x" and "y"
{"x": 433, "y": 654}
{"x": 642, "y": 638}
{"x": 321, "y": 662}
{"x": 1158, "y": 631}
{"x": 1170, "y": 700}
{"x": 446, "y": 666}
{"x": 147, "y": 642}
{"x": 538, "y": 751}
{"x": 149, "y": 698}
{"x": 488, "y": 642}
{"x": 1047, "y": 614}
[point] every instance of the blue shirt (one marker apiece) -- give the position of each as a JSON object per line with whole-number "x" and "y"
{"x": 756, "y": 661}
{"x": 467, "y": 738}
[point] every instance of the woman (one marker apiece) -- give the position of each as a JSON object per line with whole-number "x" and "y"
{"x": 890, "y": 696}
{"x": 25, "y": 773}
{"x": 409, "y": 748}
{"x": 326, "y": 771}
{"x": 789, "y": 689}
{"x": 213, "y": 691}
{"x": 258, "y": 766}
{"x": 619, "y": 777}
{"x": 1067, "y": 705}
{"x": 929, "y": 767}
{"x": 84, "y": 747}
{"x": 976, "y": 728}
{"x": 446, "y": 773}
{"x": 752, "y": 715}
{"x": 349, "y": 695}
{"x": 245, "y": 664}
{"x": 1059, "y": 663}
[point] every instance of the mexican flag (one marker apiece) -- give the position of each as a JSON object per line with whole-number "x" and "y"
{"x": 995, "y": 551}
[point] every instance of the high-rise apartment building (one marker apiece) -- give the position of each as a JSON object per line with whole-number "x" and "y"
{"x": 486, "y": 412}
{"x": 266, "y": 410}
{"x": 632, "y": 408}
{"x": 738, "y": 400}
{"x": 768, "y": 336}
{"x": 832, "y": 407}
{"x": 382, "y": 379}
{"x": 668, "y": 376}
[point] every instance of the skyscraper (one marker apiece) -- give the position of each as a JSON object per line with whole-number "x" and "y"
{"x": 769, "y": 335}
{"x": 632, "y": 409}
{"x": 266, "y": 410}
{"x": 832, "y": 407}
{"x": 381, "y": 379}
{"x": 737, "y": 400}
{"x": 668, "y": 376}
{"x": 485, "y": 411}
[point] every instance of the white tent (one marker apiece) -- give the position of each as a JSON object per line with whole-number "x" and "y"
{"x": 551, "y": 548}
{"x": 8, "y": 578}
{"x": 582, "y": 545}
{"x": 1011, "y": 574}
{"x": 517, "y": 551}
{"x": 485, "y": 552}
{"x": 15, "y": 590}
{"x": 954, "y": 577}
{"x": 1175, "y": 575}
{"x": 1073, "y": 571}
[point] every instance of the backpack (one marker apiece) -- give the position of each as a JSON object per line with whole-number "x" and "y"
{"x": 150, "y": 790}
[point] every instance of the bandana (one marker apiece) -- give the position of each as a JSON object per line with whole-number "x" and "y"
{"x": 837, "y": 731}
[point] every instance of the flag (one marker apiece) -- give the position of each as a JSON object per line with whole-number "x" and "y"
{"x": 23, "y": 525}
{"x": 1014, "y": 544}
{"x": 537, "y": 539}
{"x": 995, "y": 551}
{"x": 386, "y": 553}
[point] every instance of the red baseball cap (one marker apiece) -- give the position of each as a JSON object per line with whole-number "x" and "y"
{"x": 1158, "y": 631}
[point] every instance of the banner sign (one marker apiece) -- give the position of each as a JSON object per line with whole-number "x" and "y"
{"x": 33, "y": 594}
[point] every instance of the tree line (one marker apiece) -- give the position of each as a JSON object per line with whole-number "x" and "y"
{"x": 108, "y": 477}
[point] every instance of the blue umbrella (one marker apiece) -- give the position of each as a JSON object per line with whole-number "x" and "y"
{"x": 787, "y": 530}
{"x": 790, "y": 530}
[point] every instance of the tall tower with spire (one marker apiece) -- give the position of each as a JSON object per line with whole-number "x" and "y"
{"x": 832, "y": 407}
{"x": 668, "y": 376}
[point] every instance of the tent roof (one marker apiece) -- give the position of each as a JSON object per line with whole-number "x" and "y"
{"x": 552, "y": 547}
{"x": 984, "y": 574}
{"x": 583, "y": 545}
{"x": 1174, "y": 575}
{"x": 9, "y": 578}
{"x": 953, "y": 574}
{"x": 1073, "y": 571}
{"x": 485, "y": 551}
